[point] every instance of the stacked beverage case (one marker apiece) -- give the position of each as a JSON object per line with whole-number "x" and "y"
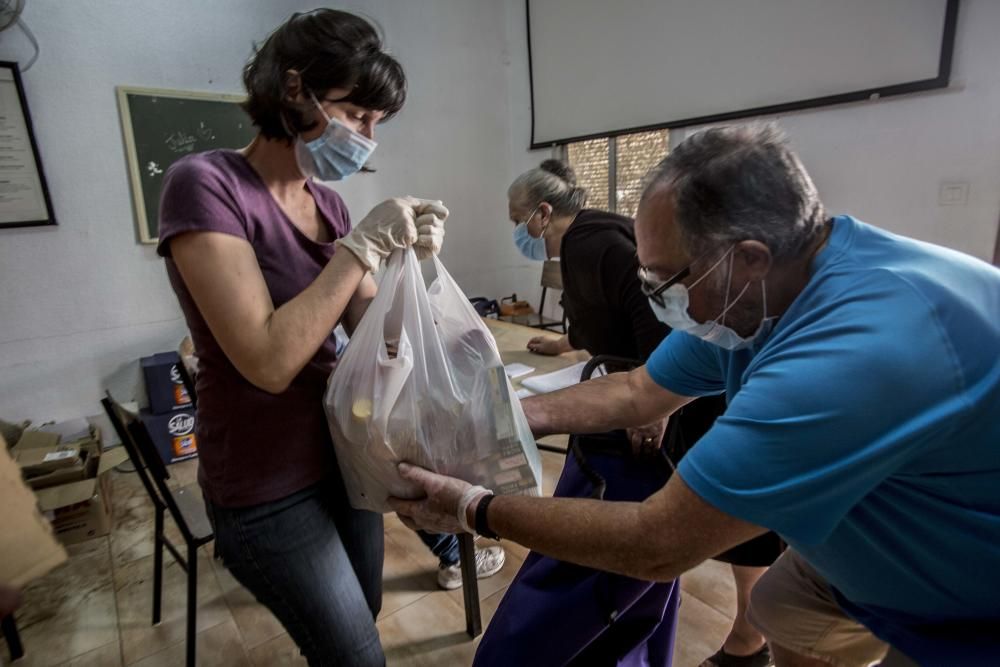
{"x": 170, "y": 418}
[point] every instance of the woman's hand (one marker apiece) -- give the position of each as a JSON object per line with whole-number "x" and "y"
{"x": 400, "y": 222}
{"x": 430, "y": 228}
{"x": 647, "y": 439}
{"x": 549, "y": 346}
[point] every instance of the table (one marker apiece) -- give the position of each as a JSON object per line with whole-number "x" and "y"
{"x": 512, "y": 339}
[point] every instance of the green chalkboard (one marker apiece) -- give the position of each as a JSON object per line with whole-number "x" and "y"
{"x": 162, "y": 126}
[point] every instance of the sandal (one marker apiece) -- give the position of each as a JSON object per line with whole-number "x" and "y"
{"x": 761, "y": 658}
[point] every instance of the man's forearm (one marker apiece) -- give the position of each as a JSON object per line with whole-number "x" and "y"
{"x": 593, "y": 533}
{"x": 589, "y": 407}
{"x": 656, "y": 540}
{"x": 618, "y": 400}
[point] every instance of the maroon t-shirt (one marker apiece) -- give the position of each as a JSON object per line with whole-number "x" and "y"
{"x": 254, "y": 446}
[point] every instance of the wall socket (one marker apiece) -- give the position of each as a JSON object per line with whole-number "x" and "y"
{"x": 953, "y": 194}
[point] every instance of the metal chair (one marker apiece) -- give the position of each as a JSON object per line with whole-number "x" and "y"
{"x": 551, "y": 279}
{"x": 186, "y": 507}
{"x": 10, "y": 633}
{"x": 608, "y": 361}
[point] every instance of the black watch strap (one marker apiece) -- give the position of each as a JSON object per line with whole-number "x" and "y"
{"x": 482, "y": 527}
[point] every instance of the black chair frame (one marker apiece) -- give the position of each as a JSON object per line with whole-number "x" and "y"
{"x": 10, "y": 633}
{"x": 594, "y": 439}
{"x": 153, "y": 474}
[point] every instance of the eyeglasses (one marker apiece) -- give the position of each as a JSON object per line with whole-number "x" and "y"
{"x": 654, "y": 289}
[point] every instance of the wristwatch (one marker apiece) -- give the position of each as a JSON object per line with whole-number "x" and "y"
{"x": 482, "y": 527}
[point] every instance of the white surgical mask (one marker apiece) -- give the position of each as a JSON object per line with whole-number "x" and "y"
{"x": 335, "y": 154}
{"x": 674, "y": 313}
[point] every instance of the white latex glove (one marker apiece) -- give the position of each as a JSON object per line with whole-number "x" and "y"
{"x": 393, "y": 224}
{"x": 437, "y": 512}
{"x": 431, "y": 214}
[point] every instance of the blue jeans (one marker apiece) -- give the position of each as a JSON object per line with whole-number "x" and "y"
{"x": 316, "y": 563}
{"x": 442, "y": 545}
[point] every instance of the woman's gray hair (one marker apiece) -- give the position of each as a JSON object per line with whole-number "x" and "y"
{"x": 731, "y": 184}
{"x": 554, "y": 182}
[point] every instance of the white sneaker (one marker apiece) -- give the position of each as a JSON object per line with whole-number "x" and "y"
{"x": 489, "y": 561}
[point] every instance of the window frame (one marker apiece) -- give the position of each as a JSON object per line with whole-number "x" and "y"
{"x": 561, "y": 152}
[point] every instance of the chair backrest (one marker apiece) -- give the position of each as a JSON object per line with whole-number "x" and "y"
{"x": 552, "y": 274}
{"x": 142, "y": 452}
{"x": 121, "y": 419}
{"x": 611, "y": 364}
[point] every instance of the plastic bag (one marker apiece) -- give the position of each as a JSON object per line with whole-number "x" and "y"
{"x": 442, "y": 401}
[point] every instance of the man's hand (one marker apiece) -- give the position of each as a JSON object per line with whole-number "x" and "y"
{"x": 438, "y": 511}
{"x": 647, "y": 439}
{"x": 549, "y": 346}
{"x": 10, "y": 600}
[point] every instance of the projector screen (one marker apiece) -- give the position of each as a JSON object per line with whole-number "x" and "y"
{"x": 601, "y": 67}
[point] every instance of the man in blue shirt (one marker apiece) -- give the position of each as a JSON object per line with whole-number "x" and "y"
{"x": 862, "y": 372}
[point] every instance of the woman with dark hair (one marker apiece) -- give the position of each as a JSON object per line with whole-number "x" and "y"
{"x": 265, "y": 265}
{"x": 609, "y": 314}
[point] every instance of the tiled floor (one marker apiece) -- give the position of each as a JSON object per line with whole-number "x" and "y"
{"x": 94, "y": 611}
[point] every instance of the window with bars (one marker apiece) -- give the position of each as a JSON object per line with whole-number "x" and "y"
{"x": 616, "y": 165}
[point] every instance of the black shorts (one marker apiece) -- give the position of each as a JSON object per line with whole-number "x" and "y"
{"x": 759, "y": 552}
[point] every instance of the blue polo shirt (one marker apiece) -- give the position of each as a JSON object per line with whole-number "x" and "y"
{"x": 865, "y": 430}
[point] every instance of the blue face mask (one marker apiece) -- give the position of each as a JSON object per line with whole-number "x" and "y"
{"x": 531, "y": 247}
{"x": 335, "y": 154}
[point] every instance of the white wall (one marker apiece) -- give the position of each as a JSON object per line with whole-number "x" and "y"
{"x": 884, "y": 161}
{"x": 79, "y": 303}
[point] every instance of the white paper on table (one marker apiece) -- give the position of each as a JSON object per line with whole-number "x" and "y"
{"x": 566, "y": 377}
{"x": 516, "y": 370}
{"x": 524, "y": 393}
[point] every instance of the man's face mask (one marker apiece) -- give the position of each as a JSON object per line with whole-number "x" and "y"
{"x": 669, "y": 301}
{"x": 335, "y": 154}
{"x": 531, "y": 247}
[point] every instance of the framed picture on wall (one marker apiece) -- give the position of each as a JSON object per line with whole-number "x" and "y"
{"x": 24, "y": 194}
{"x": 162, "y": 126}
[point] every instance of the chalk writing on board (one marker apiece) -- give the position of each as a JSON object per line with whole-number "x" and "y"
{"x": 179, "y": 142}
{"x": 162, "y": 127}
{"x": 205, "y": 133}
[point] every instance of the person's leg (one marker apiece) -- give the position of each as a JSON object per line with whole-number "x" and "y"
{"x": 745, "y": 646}
{"x": 784, "y": 657}
{"x": 292, "y": 557}
{"x": 744, "y": 639}
{"x": 795, "y": 610}
{"x": 362, "y": 534}
{"x": 489, "y": 560}
{"x": 442, "y": 545}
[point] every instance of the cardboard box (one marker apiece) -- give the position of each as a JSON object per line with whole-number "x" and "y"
{"x": 75, "y": 498}
{"x": 28, "y": 548}
{"x": 164, "y": 386}
{"x": 81, "y": 510}
{"x": 36, "y": 461}
{"x": 36, "y": 439}
{"x": 172, "y": 433}
{"x": 43, "y": 467}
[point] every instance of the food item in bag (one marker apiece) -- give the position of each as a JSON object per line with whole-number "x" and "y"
{"x": 362, "y": 409}
{"x": 443, "y": 401}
